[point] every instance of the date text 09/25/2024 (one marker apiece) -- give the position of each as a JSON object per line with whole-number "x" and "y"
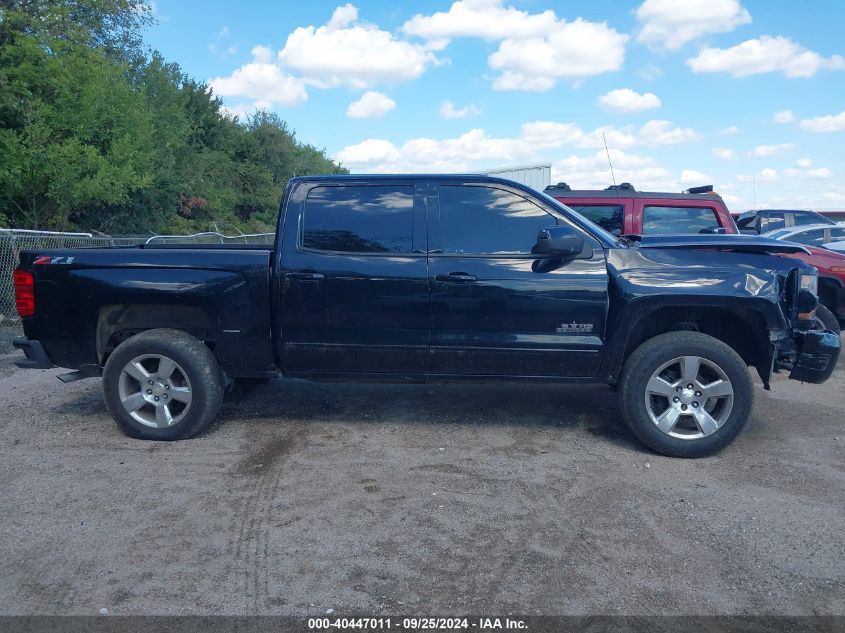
{"x": 416, "y": 624}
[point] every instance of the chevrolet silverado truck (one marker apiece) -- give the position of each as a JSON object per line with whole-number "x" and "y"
{"x": 431, "y": 278}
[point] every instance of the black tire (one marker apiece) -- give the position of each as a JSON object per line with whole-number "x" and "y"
{"x": 648, "y": 358}
{"x": 194, "y": 362}
{"x": 826, "y": 320}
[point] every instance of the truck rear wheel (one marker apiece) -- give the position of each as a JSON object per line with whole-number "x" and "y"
{"x": 162, "y": 385}
{"x": 685, "y": 394}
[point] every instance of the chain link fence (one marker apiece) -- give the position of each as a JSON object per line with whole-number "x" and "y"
{"x": 13, "y": 241}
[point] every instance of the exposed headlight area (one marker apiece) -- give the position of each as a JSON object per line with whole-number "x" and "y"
{"x": 810, "y": 281}
{"x": 807, "y": 299}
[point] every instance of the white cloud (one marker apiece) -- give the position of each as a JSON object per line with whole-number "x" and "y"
{"x": 371, "y": 105}
{"x": 626, "y": 100}
{"x": 731, "y": 130}
{"x": 659, "y": 132}
{"x": 804, "y": 162}
{"x": 552, "y": 134}
{"x": 476, "y": 148}
{"x": 425, "y": 154}
{"x": 767, "y": 54}
{"x": 818, "y": 173}
{"x": 219, "y": 47}
{"x": 669, "y": 24}
{"x": 369, "y": 152}
{"x": 784, "y": 116}
{"x": 343, "y": 16}
{"x": 244, "y": 110}
{"x": 764, "y": 175}
{"x": 535, "y": 50}
{"x": 261, "y": 81}
{"x": 449, "y": 111}
{"x": 593, "y": 171}
{"x": 346, "y": 52}
{"x": 262, "y": 54}
{"x": 650, "y": 72}
{"x": 573, "y": 50}
{"x": 724, "y": 153}
{"x": 485, "y": 19}
{"x": 214, "y": 49}
{"x": 830, "y": 123}
{"x": 692, "y": 177}
{"x": 770, "y": 150}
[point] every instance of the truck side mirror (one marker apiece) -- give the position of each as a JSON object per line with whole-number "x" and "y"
{"x": 558, "y": 241}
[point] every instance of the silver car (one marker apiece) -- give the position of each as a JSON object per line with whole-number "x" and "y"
{"x": 830, "y": 236}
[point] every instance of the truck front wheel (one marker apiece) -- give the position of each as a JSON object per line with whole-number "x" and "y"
{"x": 162, "y": 385}
{"x": 685, "y": 394}
{"x": 826, "y": 320}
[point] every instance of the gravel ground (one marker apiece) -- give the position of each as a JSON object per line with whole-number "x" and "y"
{"x": 388, "y": 499}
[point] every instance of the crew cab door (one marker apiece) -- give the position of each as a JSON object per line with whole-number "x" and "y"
{"x": 353, "y": 284}
{"x": 495, "y": 308}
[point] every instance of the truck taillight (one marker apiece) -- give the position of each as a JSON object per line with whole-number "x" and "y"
{"x": 24, "y": 293}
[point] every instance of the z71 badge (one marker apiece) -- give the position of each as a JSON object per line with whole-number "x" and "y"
{"x": 46, "y": 259}
{"x": 574, "y": 328}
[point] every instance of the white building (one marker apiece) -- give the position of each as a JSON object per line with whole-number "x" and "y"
{"x": 535, "y": 176}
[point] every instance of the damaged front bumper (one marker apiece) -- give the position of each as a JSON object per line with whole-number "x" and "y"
{"x": 808, "y": 355}
{"x": 817, "y": 353}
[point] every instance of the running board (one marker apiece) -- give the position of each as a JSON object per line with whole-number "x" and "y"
{"x": 85, "y": 371}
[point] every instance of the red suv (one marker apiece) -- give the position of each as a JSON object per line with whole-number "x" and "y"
{"x": 831, "y": 267}
{"x": 622, "y": 210}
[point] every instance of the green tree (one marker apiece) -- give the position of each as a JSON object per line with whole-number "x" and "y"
{"x": 71, "y": 131}
{"x": 96, "y": 133}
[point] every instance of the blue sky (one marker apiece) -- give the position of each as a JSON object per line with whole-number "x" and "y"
{"x": 686, "y": 92}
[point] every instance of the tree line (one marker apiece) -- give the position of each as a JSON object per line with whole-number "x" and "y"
{"x": 97, "y": 132}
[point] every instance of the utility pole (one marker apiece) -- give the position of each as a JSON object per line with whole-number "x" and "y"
{"x": 755, "y": 190}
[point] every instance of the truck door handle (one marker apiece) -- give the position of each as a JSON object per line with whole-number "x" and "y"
{"x": 461, "y": 278}
{"x": 305, "y": 276}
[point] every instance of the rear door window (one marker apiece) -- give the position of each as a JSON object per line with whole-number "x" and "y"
{"x": 668, "y": 219}
{"x": 359, "y": 219}
{"x": 609, "y": 217}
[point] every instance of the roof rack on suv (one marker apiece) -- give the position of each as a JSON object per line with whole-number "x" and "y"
{"x": 703, "y": 189}
{"x": 561, "y": 185}
{"x": 625, "y": 186}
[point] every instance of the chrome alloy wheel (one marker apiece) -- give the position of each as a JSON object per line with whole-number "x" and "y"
{"x": 155, "y": 390}
{"x": 689, "y": 397}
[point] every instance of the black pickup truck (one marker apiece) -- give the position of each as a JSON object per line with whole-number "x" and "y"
{"x": 427, "y": 278}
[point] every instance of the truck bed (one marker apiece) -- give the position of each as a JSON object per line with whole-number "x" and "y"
{"x": 89, "y": 299}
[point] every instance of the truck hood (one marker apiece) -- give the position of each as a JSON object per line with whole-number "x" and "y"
{"x": 736, "y": 243}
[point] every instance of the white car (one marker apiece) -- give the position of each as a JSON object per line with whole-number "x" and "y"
{"x": 830, "y": 236}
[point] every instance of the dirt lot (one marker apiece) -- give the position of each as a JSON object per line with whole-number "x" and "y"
{"x": 416, "y": 499}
